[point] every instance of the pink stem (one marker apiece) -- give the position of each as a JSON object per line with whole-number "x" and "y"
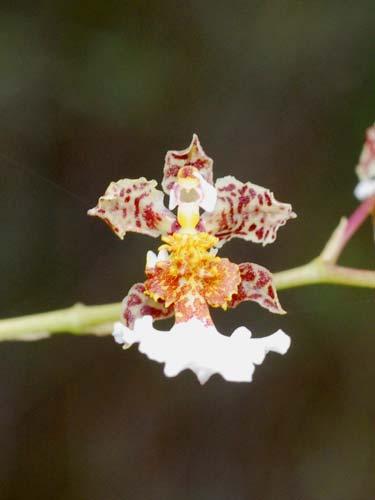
{"x": 357, "y": 219}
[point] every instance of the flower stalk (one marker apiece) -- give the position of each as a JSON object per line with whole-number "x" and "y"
{"x": 78, "y": 319}
{"x": 323, "y": 269}
{"x": 320, "y": 272}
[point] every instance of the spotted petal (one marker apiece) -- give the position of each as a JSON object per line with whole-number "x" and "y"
{"x": 134, "y": 205}
{"x": 257, "y": 285}
{"x": 192, "y": 156}
{"x": 136, "y": 305}
{"x": 245, "y": 210}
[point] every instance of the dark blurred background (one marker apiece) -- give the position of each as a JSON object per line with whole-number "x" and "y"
{"x": 280, "y": 93}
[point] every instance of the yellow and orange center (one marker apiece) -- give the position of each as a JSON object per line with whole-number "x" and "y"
{"x": 192, "y": 277}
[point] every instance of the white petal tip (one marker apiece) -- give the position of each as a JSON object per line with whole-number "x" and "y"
{"x": 172, "y": 198}
{"x": 151, "y": 259}
{"x": 163, "y": 255}
{"x": 203, "y": 376}
{"x": 281, "y": 342}
{"x": 364, "y": 189}
{"x": 118, "y": 333}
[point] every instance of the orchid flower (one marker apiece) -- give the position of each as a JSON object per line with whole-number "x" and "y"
{"x": 366, "y": 167}
{"x": 187, "y": 276}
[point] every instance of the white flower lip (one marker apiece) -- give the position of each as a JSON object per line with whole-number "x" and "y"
{"x": 364, "y": 189}
{"x": 205, "y": 351}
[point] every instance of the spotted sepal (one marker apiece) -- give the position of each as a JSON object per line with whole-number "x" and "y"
{"x": 245, "y": 210}
{"x": 136, "y": 305}
{"x": 135, "y": 205}
{"x": 257, "y": 285}
{"x": 192, "y": 156}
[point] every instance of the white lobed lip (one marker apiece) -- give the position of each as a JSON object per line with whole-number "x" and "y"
{"x": 205, "y": 351}
{"x": 364, "y": 189}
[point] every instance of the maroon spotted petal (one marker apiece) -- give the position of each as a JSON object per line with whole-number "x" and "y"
{"x": 245, "y": 210}
{"x": 136, "y": 305}
{"x": 193, "y": 156}
{"x": 257, "y": 285}
{"x": 135, "y": 205}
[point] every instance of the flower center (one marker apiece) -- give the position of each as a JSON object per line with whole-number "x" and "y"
{"x": 192, "y": 276}
{"x": 190, "y": 257}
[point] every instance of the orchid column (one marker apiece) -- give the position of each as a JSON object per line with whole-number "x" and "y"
{"x": 187, "y": 276}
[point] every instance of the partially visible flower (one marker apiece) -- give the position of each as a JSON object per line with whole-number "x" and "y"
{"x": 187, "y": 276}
{"x": 366, "y": 167}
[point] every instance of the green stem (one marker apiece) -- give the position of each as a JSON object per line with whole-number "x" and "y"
{"x": 308, "y": 274}
{"x": 78, "y": 319}
{"x": 320, "y": 272}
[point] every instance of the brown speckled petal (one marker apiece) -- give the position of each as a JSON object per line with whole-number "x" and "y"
{"x": 257, "y": 285}
{"x": 136, "y": 305}
{"x": 245, "y": 210}
{"x": 135, "y": 205}
{"x": 192, "y": 156}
